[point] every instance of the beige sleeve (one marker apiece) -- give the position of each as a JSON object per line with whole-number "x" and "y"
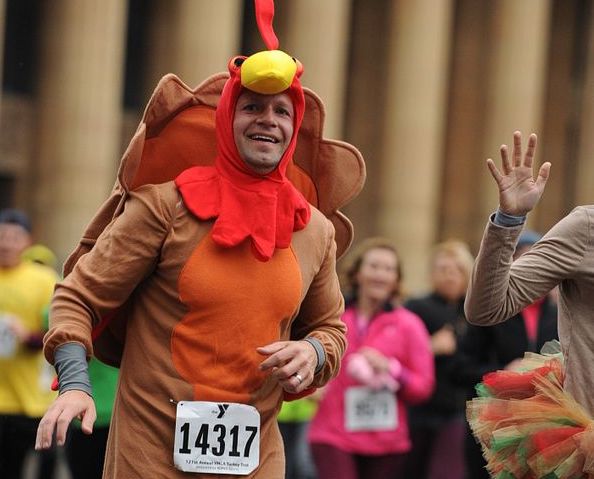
{"x": 500, "y": 288}
{"x": 101, "y": 281}
{"x": 320, "y": 313}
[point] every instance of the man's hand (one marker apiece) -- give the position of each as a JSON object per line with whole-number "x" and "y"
{"x": 443, "y": 341}
{"x": 16, "y": 327}
{"x": 518, "y": 191}
{"x": 292, "y": 364}
{"x": 65, "y": 408}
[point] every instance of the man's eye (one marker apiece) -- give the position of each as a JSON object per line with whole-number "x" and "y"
{"x": 250, "y": 107}
{"x": 283, "y": 111}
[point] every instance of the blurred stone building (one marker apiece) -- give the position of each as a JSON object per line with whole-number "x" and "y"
{"x": 426, "y": 89}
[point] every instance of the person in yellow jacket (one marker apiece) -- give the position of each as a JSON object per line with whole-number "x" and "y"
{"x": 25, "y": 377}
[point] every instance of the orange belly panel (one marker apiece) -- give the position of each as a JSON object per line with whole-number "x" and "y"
{"x": 236, "y": 304}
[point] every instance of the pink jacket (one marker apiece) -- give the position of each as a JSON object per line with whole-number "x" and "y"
{"x": 397, "y": 334}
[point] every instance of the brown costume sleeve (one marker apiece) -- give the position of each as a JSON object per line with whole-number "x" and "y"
{"x": 321, "y": 310}
{"x": 125, "y": 253}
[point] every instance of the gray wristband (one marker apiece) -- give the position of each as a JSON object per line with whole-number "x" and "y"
{"x": 503, "y": 219}
{"x": 320, "y": 353}
{"x": 70, "y": 361}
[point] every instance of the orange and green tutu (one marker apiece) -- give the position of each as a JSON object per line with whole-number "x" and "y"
{"x": 528, "y": 426}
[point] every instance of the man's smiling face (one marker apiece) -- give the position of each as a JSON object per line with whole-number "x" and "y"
{"x": 262, "y": 129}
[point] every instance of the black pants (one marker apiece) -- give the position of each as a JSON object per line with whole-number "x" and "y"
{"x": 86, "y": 453}
{"x": 298, "y": 460}
{"x": 475, "y": 462}
{"x": 17, "y": 438}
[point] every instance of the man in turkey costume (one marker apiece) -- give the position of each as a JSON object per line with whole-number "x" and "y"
{"x": 208, "y": 276}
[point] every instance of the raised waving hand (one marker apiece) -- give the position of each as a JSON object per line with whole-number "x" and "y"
{"x": 519, "y": 191}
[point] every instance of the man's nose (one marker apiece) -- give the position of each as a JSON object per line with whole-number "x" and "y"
{"x": 267, "y": 116}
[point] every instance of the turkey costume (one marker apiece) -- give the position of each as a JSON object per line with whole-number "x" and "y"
{"x": 194, "y": 261}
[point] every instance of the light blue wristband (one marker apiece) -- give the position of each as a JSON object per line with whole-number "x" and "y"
{"x": 503, "y": 219}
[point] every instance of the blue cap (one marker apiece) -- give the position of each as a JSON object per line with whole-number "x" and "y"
{"x": 528, "y": 238}
{"x": 15, "y": 217}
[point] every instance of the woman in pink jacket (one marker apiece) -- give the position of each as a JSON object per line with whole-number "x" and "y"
{"x": 361, "y": 429}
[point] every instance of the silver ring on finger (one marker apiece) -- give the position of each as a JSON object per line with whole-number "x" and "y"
{"x": 298, "y": 377}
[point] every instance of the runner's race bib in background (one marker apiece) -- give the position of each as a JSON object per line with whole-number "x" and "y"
{"x": 8, "y": 340}
{"x": 216, "y": 438}
{"x": 366, "y": 409}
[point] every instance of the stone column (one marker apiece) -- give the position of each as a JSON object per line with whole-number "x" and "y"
{"x": 193, "y": 39}
{"x": 514, "y": 83}
{"x": 585, "y": 166}
{"x": 79, "y": 113}
{"x": 362, "y": 116}
{"x": 418, "y": 59}
{"x": 2, "y": 34}
{"x": 463, "y": 152}
{"x": 562, "y": 103}
{"x": 317, "y": 34}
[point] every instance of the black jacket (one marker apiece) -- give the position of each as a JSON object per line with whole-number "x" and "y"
{"x": 488, "y": 348}
{"x": 448, "y": 398}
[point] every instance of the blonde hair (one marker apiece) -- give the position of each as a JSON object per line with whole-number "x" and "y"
{"x": 352, "y": 264}
{"x": 457, "y": 250}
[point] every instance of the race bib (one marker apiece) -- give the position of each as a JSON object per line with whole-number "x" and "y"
{"x": 216, "y": 438}
{"x": 368, "y": 410}
{"x": 8, "y": 340}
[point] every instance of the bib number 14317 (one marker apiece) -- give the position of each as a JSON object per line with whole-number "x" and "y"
{"x": 217, "y": 438}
